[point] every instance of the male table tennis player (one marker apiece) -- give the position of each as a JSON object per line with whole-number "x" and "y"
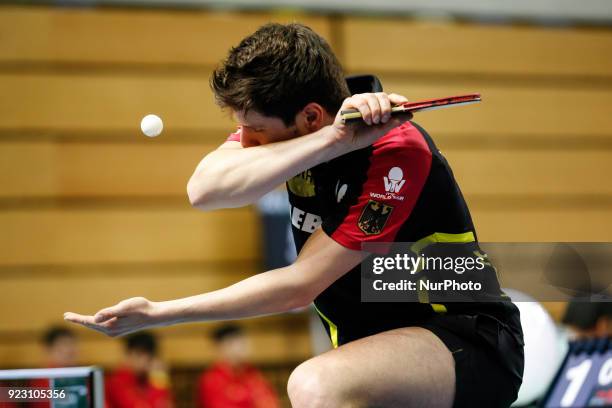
{"x": 285, "y": 88}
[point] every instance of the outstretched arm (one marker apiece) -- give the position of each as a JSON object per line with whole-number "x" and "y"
{"x": 320, "y": 262}
{"x": 232, "y": 176}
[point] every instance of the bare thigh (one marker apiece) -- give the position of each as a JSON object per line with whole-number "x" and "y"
{"x": 406, "y": 367}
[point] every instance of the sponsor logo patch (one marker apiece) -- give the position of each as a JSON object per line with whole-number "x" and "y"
{"x": 388, "y": 196}
{"x": 340, "y": 191}
{"x": 302, "y": 185}
{"x": 394, "y": 181}
{"x": 374, "y": 217}
{"x": 305, "y": 221}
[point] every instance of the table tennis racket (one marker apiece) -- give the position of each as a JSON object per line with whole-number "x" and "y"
{"x": 353, "y": 115}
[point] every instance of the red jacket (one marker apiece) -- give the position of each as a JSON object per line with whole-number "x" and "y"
{"x": 225, "y": 387}
{"x": 125, "y": 390}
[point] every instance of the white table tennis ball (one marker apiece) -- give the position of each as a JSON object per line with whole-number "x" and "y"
{"x": 151, "y": 125}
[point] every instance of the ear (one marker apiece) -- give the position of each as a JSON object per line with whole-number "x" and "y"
{"x": 311, "y": 117}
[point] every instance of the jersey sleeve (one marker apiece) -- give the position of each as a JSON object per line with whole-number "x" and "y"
{"x": 234, "y": 137}
{"x": 397, "y": 172}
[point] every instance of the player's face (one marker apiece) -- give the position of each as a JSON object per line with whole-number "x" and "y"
{"x": 258, "y": 129}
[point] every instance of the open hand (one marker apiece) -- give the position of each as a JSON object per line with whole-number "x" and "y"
{"x": 125, "y": 317}
{"x": 375, "y": 108}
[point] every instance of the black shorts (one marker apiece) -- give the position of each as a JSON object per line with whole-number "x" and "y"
{"x": 488, "y": 357}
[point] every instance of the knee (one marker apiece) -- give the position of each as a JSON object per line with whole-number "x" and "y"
{"x": 310, "y": 386}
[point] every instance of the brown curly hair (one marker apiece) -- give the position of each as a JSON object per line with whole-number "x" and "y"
{"x": 278, "y": 70}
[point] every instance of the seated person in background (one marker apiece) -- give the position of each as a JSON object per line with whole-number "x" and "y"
{"x": 60, "y": 350}
{"x": 140, "y": 382}
{"x": 589, "y": 319}
{"x": 61, "y": 347}
{"x": 231, "y": 382}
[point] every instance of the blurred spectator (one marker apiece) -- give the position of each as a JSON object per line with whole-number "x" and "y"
{"x": 61, "y": 350}
{"x": 231, "y": 382}
{"x": 589, "y": 319}
{"x": 141, "y": 381}
{"x": 61, "y": 347}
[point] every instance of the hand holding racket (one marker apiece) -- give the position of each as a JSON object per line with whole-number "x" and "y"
{"x": 375, "y": 110}
{"x": 354, "y": 115}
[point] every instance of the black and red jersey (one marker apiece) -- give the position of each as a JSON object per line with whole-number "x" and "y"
{"x": 400, "y": 189}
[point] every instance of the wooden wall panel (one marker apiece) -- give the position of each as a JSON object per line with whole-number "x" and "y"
{"x": 28, "y": 169}
{"x": 532, "y": 172}
{"x": 137, "y": 36}
{"x": 374, "y": 44}
{"x": 108, "y": 102}
{"x": 553, "y": 113}
{"x": 47, "y": 168}
{"x": 57, "y": 236}
{"x": 88, "y": 288}
{"x": 117, "y": 103}
{"x": 511, "y": 224}
{"x": 72, "y": 236}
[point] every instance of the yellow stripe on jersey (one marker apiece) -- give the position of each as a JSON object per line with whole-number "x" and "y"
{"x": 333, "y": 329}
{"x": 442, "y": 237}
{"x": 436, "y": 237}
{"x": 438, "y": 308}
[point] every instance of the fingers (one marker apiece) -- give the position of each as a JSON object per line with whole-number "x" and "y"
{"x": 362, "y": 104}
{"x": 385, "y": 106}
{"x": 107, "y": 314}
{"x": 125, "y": 317}
{"x": 78, "y": 318}
{"x": 375, "y": 108}
{"x": 397, "y": 99}
{"x": 86, "y": 321}
{"x": 107, "y": 327}
{"x": 121, "y": 309}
